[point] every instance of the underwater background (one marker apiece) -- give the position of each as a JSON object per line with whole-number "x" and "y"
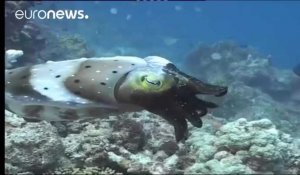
{"x": 251, "y": 47}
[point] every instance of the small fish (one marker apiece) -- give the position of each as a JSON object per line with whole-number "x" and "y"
{"x": 113, "y": 11}
{"x": 297, "y": 69}
{"x": 94, "y": 87}
{"x": 178, "y": 7}
{"x": 169, "y": 41}
{"x": 128, "y": 17}
{"x": 197, "y": 9}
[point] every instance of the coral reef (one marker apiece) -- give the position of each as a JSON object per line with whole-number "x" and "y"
{"x": 22, "y": 34}
{"x": 75, "y": 46}
{"x": 132, "y": 135}
{"x": 12, "y": 24}
{"x": 113, "y": 144}
{"x": 255, "y": 130}
{"x": 12, "y": 120}
{"x": 241, "y": 147}
{"x": 85, "y": 170}
{"x": 64, "y": 47}
{"x": 38, "y": 42}
{"x": 256, "y": 88}
{"x": 32, "y": 147}
{"x": 227, "y": 62}
{"x": 118, "y": 142}
{"x": 11, "y": 57}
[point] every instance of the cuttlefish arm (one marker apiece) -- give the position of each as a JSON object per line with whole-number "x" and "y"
{"x": 176, "y": 106}
{"x": 195, "y": 85}
{"x": 181, "y": 104}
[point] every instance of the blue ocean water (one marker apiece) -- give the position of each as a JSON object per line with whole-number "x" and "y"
{"x": 226, "y": 103}
{"x": 270, "y": 26}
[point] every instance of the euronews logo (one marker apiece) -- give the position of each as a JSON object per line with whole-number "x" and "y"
{"x": 51, "y": 14}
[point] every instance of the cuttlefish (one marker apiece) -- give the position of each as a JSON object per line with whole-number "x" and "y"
{"x": 93, "y": 87}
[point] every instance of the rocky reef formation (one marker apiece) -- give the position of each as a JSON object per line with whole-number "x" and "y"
{"x": 256, "y": 88}
{"x": 30, "y": 146}
{"x": 84, "y": 170}
{"x": 22, "y": 34}
{"x": 13, "y": 25}
{"x": 243, "y": 147}
{"x": 38, "y": 42}
{"x": 64, "y": 47}
{"x": 11, "y": 57}
{"x": 227, "y": 62}
{"x": 144, "y": 143}
{"x": 254, "y": 131}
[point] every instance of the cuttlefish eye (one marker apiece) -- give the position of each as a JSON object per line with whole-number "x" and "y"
{"x": 150, "y": 80}
{"x": 143, "y": 78}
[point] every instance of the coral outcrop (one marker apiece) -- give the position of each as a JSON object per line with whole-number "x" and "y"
{"x": 64, "y": 47}
{"x": 33, "y": 147}
{"x": 144, "y": 143}
{"x": 256, "y": 88}
{"x": 22, "y": 34}
{"x": 38, "y": 42}
{"x": 227, "y": 62}
{"x": 11, "y": 56}
{"x": 255, "y": 129}
{"x": 85, "y": 170}
{"x": 242, "y": 147}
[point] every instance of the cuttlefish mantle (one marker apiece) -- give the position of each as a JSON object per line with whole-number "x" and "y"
{"x": 92, "y": 87}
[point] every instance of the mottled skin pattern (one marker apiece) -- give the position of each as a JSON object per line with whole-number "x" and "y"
{"x": 19, "y": 82}
{"x": 179, "y": 102}
{"x": 82, "y": 86}
{"x": 125, "y": 84}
